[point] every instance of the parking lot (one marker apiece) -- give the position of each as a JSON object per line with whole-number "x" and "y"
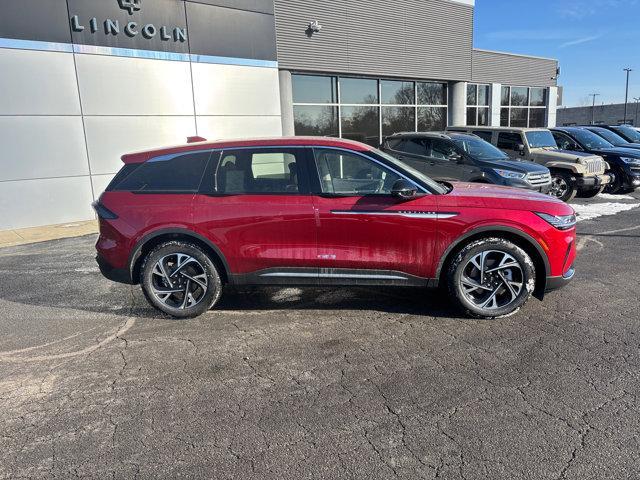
{"x": 321, "y": 383}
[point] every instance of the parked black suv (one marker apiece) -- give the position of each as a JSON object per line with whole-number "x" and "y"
{"x": 624, "y": 163}
{"x": 465, "y": 157}
{"x": 612, "y": 137}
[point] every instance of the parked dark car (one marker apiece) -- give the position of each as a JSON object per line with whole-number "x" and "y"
{"x": 465, "y": 157}
{"x": 612, "y": 137}
{"x": 630, "y": 134}
{"x": 624, "y": 163}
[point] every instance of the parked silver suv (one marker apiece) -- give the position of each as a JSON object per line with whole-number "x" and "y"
{"x": 572, "y": 173}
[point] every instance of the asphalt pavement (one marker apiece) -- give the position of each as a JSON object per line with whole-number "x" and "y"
{"x": 362, "y": 383}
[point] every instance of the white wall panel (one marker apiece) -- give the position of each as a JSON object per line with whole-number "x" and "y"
{"x": 108, "y": 138}
{"x": 134, "y": 86}
{"x": 28, "y": 203}
{"x": 214, "y": 128}
{"x": 37, "y": 83}
{"x": 40, "y": 147}
{"x": 235, "y": 90}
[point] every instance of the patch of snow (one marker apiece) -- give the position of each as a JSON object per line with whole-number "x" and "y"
{"x": 608, "y": 196}
{"x": 595, "y": 210}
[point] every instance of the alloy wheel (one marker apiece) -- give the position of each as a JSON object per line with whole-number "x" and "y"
{"x": 559, "y": 187}
{"x": 179, "y": 281}
{"x": 492, "y": 279}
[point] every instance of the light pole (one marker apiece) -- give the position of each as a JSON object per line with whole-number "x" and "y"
{"x": 626, "y": 95}
{"x": 635, "y": 123}
{"x": 593, "y": 107}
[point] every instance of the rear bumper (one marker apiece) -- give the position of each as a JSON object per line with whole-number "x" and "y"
{"x": 120, "y": 275}
{"x": 554, "y": 283}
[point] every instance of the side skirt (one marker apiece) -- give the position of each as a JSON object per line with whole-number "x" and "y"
{"x": 329, "y": 277}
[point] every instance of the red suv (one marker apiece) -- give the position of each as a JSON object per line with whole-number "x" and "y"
{"x": 183, "y": 221}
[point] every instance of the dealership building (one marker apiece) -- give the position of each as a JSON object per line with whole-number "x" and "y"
{"x": 84, "y": 81}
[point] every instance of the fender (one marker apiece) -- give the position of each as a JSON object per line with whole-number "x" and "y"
{"x": 496, "y": 228}
{"x": 135, "y": 252}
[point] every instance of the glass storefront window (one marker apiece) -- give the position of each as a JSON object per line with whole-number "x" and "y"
{"x": 316, "y": 120}
{"x": 538, "y": 97}
{"x": 358, "y": 91}
{"x": 483, "y": 117}
{"x": 361, "y": 124}
{"x": 431, "y": 93}
{"x": 472, "y": 94}
{"x": 397, "y": 93}
{"x": 537, "y": 117}
{"x": 506, "y": 95}
{"x": 398, "y": 119}
{"x": 432, "y": 119}
{"x": 519, "y": 96}
{"x": 483, "y": 95}
{"x": 519, "y": 117}
{"x": 472, "y": 114}
{"x": 314, "y": 89}
{"x": 504, "y": 117}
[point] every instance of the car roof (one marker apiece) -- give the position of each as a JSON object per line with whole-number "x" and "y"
{"x": 141, "y": 156}
{"x": 420, "y": 134}
{"x": 497, "y": 129}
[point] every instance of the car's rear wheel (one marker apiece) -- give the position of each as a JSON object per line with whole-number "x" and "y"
{"x": 563, "y": 186}
{"x": 491, "y": 278}
{"x": 179, "y": 278}
{"x": 616, "y": 182}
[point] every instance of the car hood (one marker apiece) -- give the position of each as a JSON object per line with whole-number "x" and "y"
{"x": 562, "y": 155}
{"x": 480, "y": 195}
{"x": 523, "y": 166}
{"x": 620, "y": 151}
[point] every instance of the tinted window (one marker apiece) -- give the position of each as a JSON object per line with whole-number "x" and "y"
{"x": 509, "y": 140}
{"x": 415, "y": 146}
{"x": 442, "y": 149}
{"x": 346, "y": 173}
{"x": 591, "y": 140}
{"x": 430, "y": 93}
{"x": 358, "y": 90}
{"x": 610, "y": 136}
{"x": 167, "y": 174}
{"x": 314, "y": 89}
{"x": 316, "y": 120}
{"x": 628, "y": 133}
{"x": 398, "y": 93}
{"x": 479, "y": 149}
{"x": 486, "y": 136}
{"x": 518, "y": 117}
{"x": 259, "y": 171}
{"x": 564, "y": 142}
{"x": 537, "y": 117}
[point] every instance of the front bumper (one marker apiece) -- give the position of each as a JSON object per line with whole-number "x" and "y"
{"x": 554, "y": 283}
{"x": 119, "y": 275}
{"x": 594, "y": 181}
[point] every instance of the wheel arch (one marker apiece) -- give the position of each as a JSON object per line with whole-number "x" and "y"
{"x": 151, "y": 240}
{"x": 521, "y": 239}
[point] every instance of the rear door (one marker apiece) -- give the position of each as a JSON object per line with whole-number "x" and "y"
{"x": 257, "y": 209}
{"x": 450, "y": 165}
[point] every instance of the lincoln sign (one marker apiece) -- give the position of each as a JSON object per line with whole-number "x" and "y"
{"x": 131, "y": 28}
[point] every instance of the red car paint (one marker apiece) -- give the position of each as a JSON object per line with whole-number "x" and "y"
{"x": 254, "y": 232}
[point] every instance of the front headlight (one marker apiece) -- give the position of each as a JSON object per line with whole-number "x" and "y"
{"x": 633, "y": 161}
{"x": 561, "y": 222}
{"x": 509, "y": 173}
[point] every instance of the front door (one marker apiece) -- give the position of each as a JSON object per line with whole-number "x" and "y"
{"x": 258, "y": 211}
{"x": 364, "y": 233}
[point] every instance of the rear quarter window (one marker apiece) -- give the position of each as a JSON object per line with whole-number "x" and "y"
{"x": 165, "y": 174}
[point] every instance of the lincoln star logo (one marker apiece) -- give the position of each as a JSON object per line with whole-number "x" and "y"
{"x": 130, "y": 5}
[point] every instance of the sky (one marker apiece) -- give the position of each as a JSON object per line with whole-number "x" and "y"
{"x": 594, "y": 40}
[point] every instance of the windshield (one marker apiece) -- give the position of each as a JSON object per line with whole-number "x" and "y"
{"x": 479, "y": 149}
{"x": 590, "y": 140}
{"x": 630, "y": 133}
{"x": 435, "y": 186}
{"x": 541, "y": 139}
{"x": 611, "y": 137}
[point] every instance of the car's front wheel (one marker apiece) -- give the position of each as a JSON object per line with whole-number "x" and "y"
{"x": 491, "y": 277}
{"x": 563, "y": 186}
{"x": 179, "y": 278}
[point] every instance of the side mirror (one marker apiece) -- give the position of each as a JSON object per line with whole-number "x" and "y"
{"x": 404, "y": 189}
{"x": 520, "y": 148}
{"x": 457, "y": 158}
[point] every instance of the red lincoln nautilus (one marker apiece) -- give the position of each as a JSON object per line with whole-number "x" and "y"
{"x": 183, "y": 221}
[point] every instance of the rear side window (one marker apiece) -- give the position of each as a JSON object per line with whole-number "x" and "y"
{"x": 414, "y": 146}
{"x": 259, "y": 171}
{"x": 483, "y": 134}
{"x": 180, "y": 173}
{"x": 509, "y": 140}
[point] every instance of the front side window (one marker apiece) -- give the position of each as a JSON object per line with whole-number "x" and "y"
{"x": 413, "y": 146}
{"x": 350, "y": 174}
{"x": 509, "y": 140}
{"x": 259, "y": 171}
{"x": 442, "y": 150}
{"x": 591, "y": 140}
{"x": 180, "y": 173}
{"x": 564, "y": 142}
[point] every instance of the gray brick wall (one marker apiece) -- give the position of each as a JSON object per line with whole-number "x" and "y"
{"x": 607, "y": 114}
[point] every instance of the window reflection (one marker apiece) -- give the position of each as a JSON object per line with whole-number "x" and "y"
{"x": 316, "y": 120}
{"x": 358, "y": 90}
{"x": 431, "y": 93}
{"x": 397, "y": 93}
{"x": 314, "y": 89}
{"x": 432, "y": 119}
{"x": 398, "y": 119}
{"x": 361, "y": 124}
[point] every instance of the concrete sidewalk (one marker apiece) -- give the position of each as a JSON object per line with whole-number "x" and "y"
{"x": 22, "y": 236}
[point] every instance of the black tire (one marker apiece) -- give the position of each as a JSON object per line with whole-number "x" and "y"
{"x": 616, "y": 185}
{"x": 590, "y": 193}
{"x": 507, "y": 300}
{"x": 625, "y": 191}
{"x": 563, "y": 186}
{"x": 197, "y": 276}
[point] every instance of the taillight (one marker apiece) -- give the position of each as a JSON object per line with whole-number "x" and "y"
{"x": 103, "y": 212}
